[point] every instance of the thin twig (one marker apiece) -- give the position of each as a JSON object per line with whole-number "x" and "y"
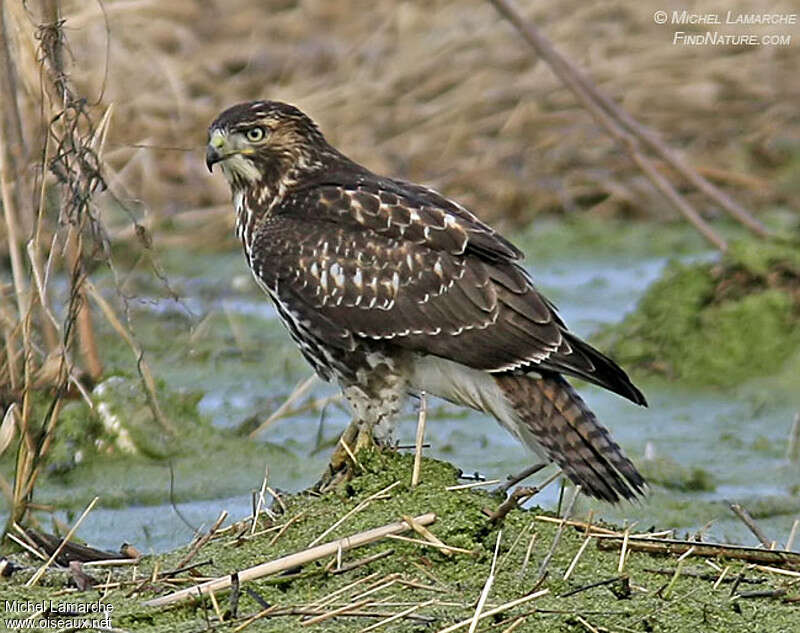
{"x": 559, "y": 532}
{"x": 202, "y": 541}
{"x": 420, "y": 439}
{"x": 520, "y": 495}
{"x": 513, "y": 480}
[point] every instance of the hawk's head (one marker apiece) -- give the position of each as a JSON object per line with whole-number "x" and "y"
{"x": 263, "y": 142}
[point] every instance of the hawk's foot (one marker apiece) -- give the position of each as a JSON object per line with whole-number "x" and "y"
{"x": 344, "y": 464}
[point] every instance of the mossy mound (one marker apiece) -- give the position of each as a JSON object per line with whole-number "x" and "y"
{"x": 449, "y": 585}
{"x": 715, "y": 323}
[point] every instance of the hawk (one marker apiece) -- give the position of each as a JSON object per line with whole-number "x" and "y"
{"x": 391, "y": 289}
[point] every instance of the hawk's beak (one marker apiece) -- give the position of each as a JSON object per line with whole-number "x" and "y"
{"x": 215, "y": 150}
{"x": 212, "y": 156}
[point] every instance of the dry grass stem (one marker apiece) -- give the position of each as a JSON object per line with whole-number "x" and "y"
{"x": 631, "y": 134}
{"x": 515, "y": 479}
{"x": 25, "y": 546}
{"x": 292, "y": 560}
{"x": 198, "y": 544}
{"x": 576, "y": 558}
{"x": 500, "y": 609}
{"x": 286, "y": 526}
{"x": 722, "y": 575}
{"x": 528, "y": 552}
{"x": 474, "y": 484}
{"x": 672, "y": 546}
{"x": 623, "y": 550}
{"x": 397, "y": 616}
{"x": 332, "y": 614}
{"x": 440, "y": 546}
{"x": 325, "y": 600}
{"x": 595, "y": 530}
{"x": 361, "y": 506}
{"x": 300, "y": 390}
{"x": 349, "y": 451}
{"x": 40, "y": 572}
{"x": 141, "y": 364}
{"x": 256, "y": 617}
{"x": 585, "y": 624}
{"x": 420, "y": 439}
{"x": 778, "y": 570}
{"x": 518, "y": 622}
{"x": 792, "y": 534}
{"x": 559, "y": 532}
{"x": 261, "y": 501}
{"x": 343, "y": 569}
{"x": 520, "y": 495}
{"x": 427, "y": 534}
{"x": 487, "y": 587}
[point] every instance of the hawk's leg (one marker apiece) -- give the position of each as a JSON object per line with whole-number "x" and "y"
{"x": 375, "y": 399}
{"x": 355, "y": 438}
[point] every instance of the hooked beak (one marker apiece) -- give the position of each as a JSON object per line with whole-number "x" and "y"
{"x": 212, "y": 156}
{"x": 215, "y": 150}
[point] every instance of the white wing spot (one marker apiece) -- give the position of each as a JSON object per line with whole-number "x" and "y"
{"x": 337, "y": 274}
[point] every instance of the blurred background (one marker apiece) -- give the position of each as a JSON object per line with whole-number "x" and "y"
{"x": 444, "y": 93}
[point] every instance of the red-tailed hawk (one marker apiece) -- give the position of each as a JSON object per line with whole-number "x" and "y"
{"x": 390, "y": 289}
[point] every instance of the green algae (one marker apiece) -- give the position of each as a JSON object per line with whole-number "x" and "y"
{"x": 715, "y": 323}
{"x": 118, "y": 451}
{"x": 671, "y": 475}
{"x": 455, "y": 581}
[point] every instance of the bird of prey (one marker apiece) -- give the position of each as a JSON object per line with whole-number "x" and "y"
{"x": 391, "y": 289}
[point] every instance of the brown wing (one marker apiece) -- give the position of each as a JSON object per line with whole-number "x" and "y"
{"x": 375, "y": 260}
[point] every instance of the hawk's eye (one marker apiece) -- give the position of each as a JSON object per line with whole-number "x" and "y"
{"x": 255, "y": 134}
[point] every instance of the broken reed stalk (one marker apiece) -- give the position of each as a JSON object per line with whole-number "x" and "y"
{"x": 744, "y": 515}
{"x": 632, "y": 135}
{"x": 421, "y": 421}
{"x": 669, "y": 547}
{"x": 40, "y": 572}
{"x": 292, "y": 560}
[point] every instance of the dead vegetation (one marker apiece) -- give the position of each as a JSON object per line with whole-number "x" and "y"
{"x": 324, "y": 563}
{"x": 435, "y": 92}
{"x": 105, "y": 107}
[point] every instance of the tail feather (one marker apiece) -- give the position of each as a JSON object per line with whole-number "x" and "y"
{"x": 556, "y": 416}
{"x": 546, "y": 414}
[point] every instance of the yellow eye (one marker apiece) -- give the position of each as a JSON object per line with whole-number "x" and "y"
{"x": 255, "y": 134}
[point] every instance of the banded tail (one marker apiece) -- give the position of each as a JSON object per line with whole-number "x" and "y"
{"x": 550, "y": 410}
{"x": 547, "y": 415}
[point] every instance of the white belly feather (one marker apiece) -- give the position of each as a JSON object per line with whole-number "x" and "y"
{"x": 473, "y": 388}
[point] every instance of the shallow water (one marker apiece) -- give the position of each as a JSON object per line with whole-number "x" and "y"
{"x": 249, "y": 365}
